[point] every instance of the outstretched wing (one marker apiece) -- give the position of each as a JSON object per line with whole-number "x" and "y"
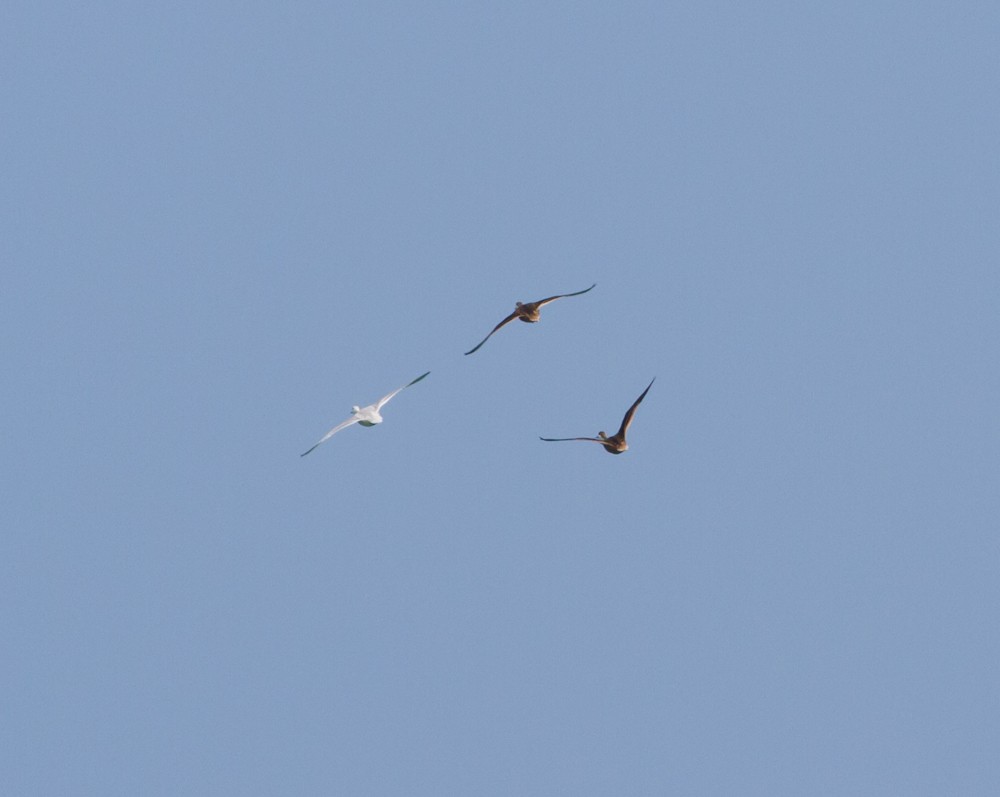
{"x": 506, "y": 321}
{"x": 385, "y": 399}
{"x": 543, "y": 302}
{"x": 627, "y": 420}
{"x": 332, "y": 432}
{"x": 567, "y": 439}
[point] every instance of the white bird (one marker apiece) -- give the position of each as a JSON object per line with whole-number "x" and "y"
{"x": 366, "y": 416}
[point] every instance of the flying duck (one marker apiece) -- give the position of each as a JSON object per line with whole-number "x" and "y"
{"x": 366, "y": 416}
{"x": 616, "y": 443}
{"x": 529, "y": 313}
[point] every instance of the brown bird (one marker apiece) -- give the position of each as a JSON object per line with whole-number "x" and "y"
{"x": 528, "y": 313}
{"x": 615, "y": 444}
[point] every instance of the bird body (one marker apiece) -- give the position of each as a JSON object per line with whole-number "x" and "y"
{"x": 529, "y": 313}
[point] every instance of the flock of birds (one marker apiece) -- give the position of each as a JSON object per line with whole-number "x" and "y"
{"x": 529, "y": 313}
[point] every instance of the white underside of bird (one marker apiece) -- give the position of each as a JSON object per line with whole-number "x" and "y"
{"x": 366, "y": 416}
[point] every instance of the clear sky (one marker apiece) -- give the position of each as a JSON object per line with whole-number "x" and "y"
{"x": 222, "y": 224}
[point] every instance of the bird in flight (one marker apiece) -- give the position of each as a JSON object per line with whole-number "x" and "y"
{"x": 616, "y": 443}
{"x": 366, "y": 416}
{"x": 529, "y": 313}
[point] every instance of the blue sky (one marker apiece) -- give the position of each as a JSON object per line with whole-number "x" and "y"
{"x": 224, "y": 225}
